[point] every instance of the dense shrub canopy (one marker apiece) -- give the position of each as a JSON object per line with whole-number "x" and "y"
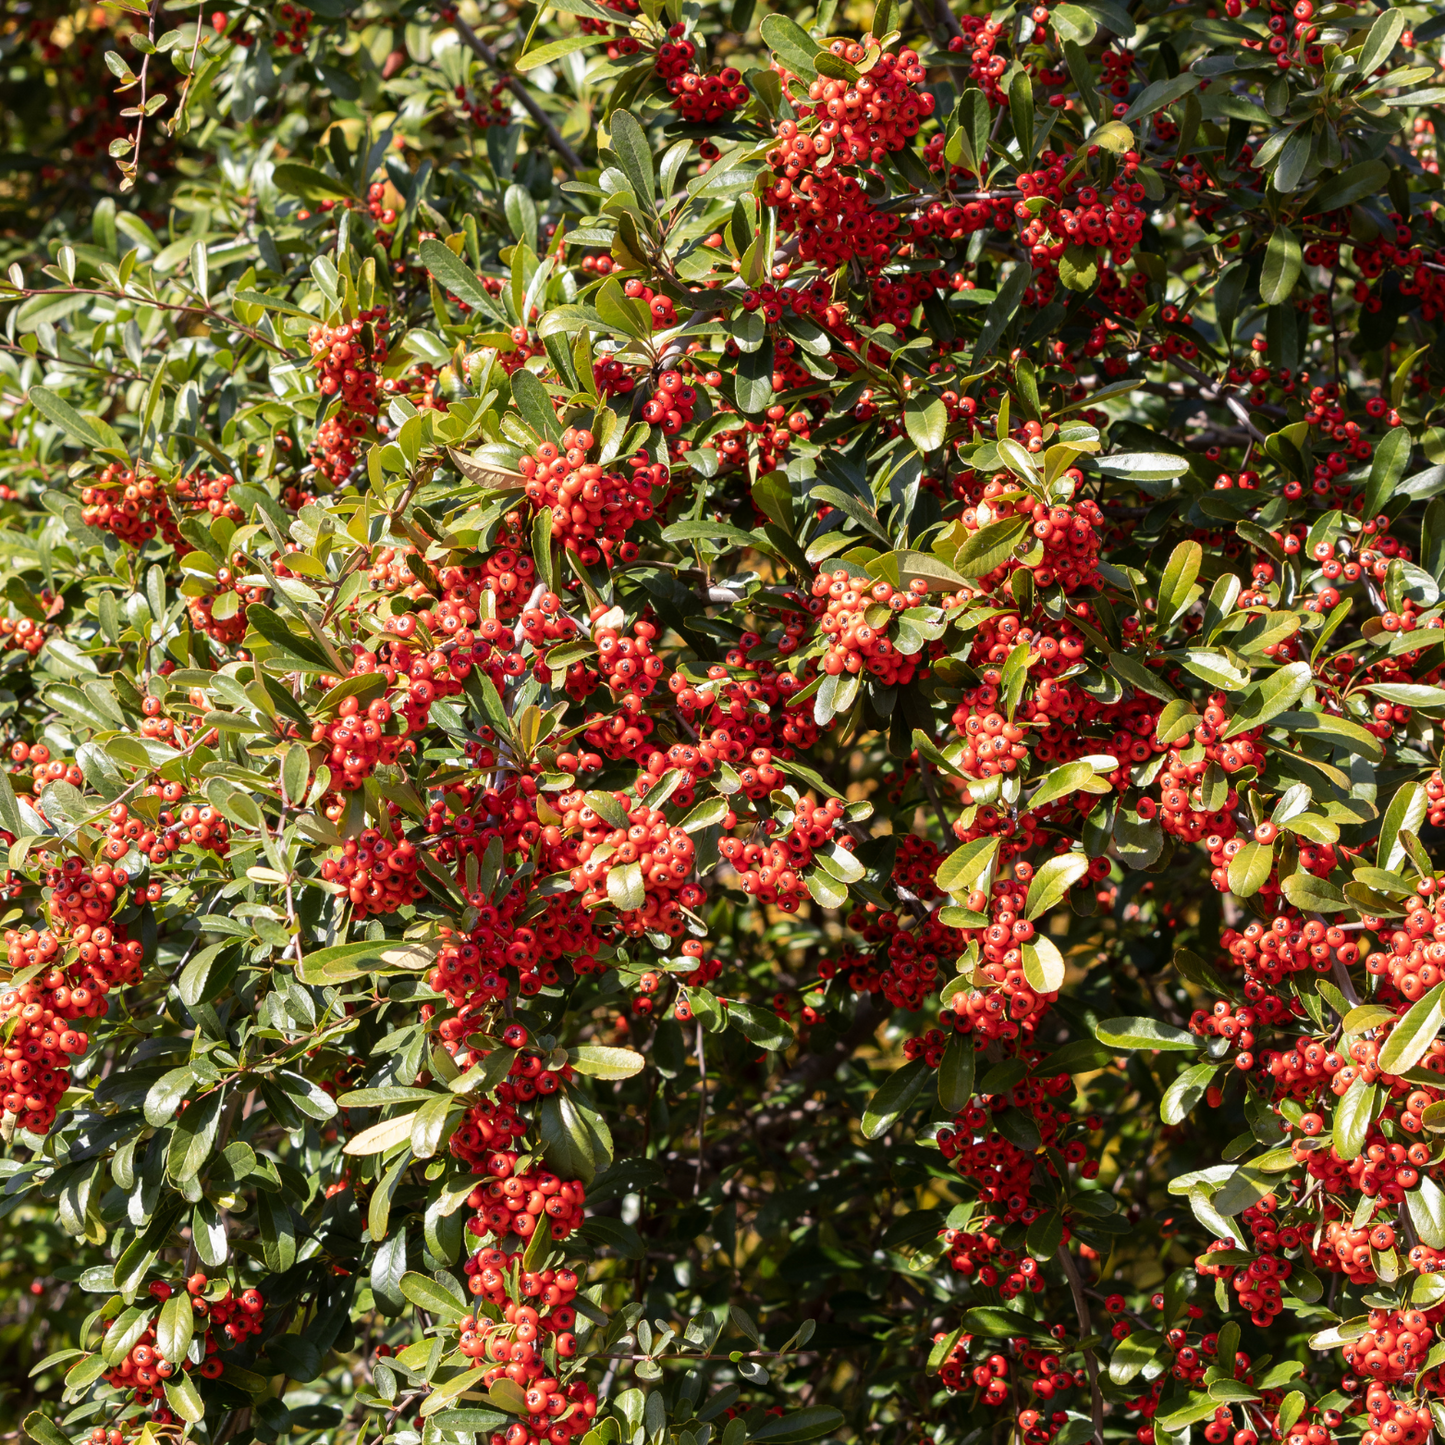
{"x": 722, "y": 725}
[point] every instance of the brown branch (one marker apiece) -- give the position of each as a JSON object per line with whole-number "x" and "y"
{"x": 1091, "y": 1363}
{"x": 1224, "y": 394}
{"x": 18, "y": 293}
{"x": 570, "y": 159}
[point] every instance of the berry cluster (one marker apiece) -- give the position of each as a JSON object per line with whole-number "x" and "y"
{"x": 773, "y": 872}
{"x": 663, "y": 856}
{"x": 221, "y": 613}
{"x": 629, "y": 665}
{"x": 708, "y": 98}
{"x": 592, "y": 509}
{"x": 358, "y": 742}
{"x": 60, "y": 994}
{"x": 512, "y": 1343}
{"x": 134, "y": 508}
{"x": 1003, "y": 1004}
{"x": 24, "y": 634}
{"x": 671, "y": 405}
{"x": 512, "y": 1203}
{"x": 143, "y": 1370}
{"x": 349, "y": 358}
{"x": 1001, "y": 1170}
{"x": 855, "y": 617}
{"x": 378, "y": 873}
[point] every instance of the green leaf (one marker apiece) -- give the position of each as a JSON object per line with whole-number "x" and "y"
{"x": 760, "y": 1026}
{"x": 381, "y": 1137}
{"x": 1249, "y": 869}
{"x": 1000, "y": 312}
{"x": 626, "y": 890}
{"x": 1275, "y": 694}
{"x": 995, "y": 1322}
{"x": 1185, "y": 1092}
{"x": 918, "y": 566}
{"x": 1079, "y": 267}
{"x": 176, "y": 1325}
{"x": 1314, "y": 895}
{"x": 825, "y": 889}
{"x": 183, "y": 1397}
{"x": 1074, "y": 25}
{"x": 44, "y": 1431}
{"x": 753, "y": 380}
{"x": 707, "y": 814}
{"x": 1354, "y": 1114}
{"x": 990, "y": 547}
{"x": 277, "y": 1229}
{"x": 1412, "y": 1036}
{"x": 296, "y": 178}
{"x": 1246, "y": 1186}
{"x": 955, "y": 1073}
{"x": 440, "y": 1396}
{"x": 1200, "y": 1407}
{"x": 453, "y": 275}
{"x": 1410, "y": 694}
{"x": 926, "y": 420}
{"x": 602, "y": 1062}
{"x": 466, "y": 1421}
{"x": 1052, "y": 881}
{"x": 965, "y": 868}
{"x": 1021, "y": 112}
{"x": 1043, "y": 964}
{"x": 556, "y": 50}
{"x": 722, "y": 535}
{"x": 774, "y": 498}
{"x": 1282, "y": 265}
{"x": 383, "y": 956}
{"x": 426, "y": 1294}
{"x": 164, "y": 1096}
{"x": 56, "y": 409}
{"x": 1427, "y": 1212}
{"x": 570, "y": 1140}
{"x": 894, "y": 1096}
{"x": 1387, "y": 466}
{"x": 791, "y": 44}
{"x": 297, "y": 652}
{"x": 429, "y": 1127}
{"x": 1175, "y": 587}
{"x": 1138, "y": 841}
{"x": 1405, "y": 814}
{"x": 796, "y": 1426}
{"x": 535, "y": 404}
{"x": 194, "y": 1137}
{"x": 1133, "y": 1353}
{"x": 1158, "y": 95}
{"x": 1369, "y": 178}
{"x": 208, "y": 973}
{"x": 1383, "y": 37}
{"x": 1144, "y": 1033}
{"x": 507, "y": 1395}
{"x": 630, "y": 144}
{"x": 10, "y": 818}
{"x": 1080, "y": 1056}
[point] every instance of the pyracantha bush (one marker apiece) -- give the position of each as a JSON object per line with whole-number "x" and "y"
{"x": 723, "y": 725}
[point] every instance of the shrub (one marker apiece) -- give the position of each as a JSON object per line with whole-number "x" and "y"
{"x": 714, "y": 724}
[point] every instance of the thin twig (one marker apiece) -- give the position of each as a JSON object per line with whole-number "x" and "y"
{"x": 20, "y": 293}
{"x": 570, "y": 159}
{"x": 1224, "y": 394}
{"x": 1091, "y": 1363}
{"x": 701, "y": 1108}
